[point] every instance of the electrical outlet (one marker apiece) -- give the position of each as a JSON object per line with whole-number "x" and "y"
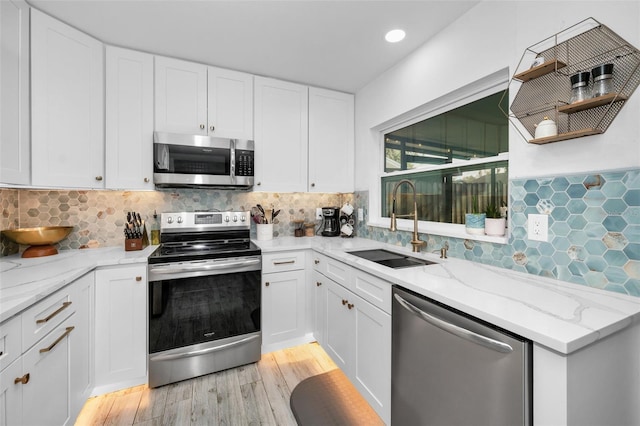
{"x": 318, "y": 213}
{"x": 360, "y": 214}
{"x": 538, "y": 227}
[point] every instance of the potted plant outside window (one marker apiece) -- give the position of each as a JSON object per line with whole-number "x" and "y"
{"x": 494, "y": 223}
{"x": 474, "y": 221}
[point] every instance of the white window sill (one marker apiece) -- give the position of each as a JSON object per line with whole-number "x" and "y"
{"x": 442, "y": 229}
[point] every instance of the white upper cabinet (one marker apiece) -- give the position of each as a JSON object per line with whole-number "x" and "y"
{"x": 230, "y": 104}
{"x": 129, "y": 119}
{"x": 181, "y": 96}
{"x": 67, "y": 83}
{"x": 15, "y": 160}
{"x": 281, "y": 135}
{"x": 331, "y": 141}
{"x": 196, "y": 99}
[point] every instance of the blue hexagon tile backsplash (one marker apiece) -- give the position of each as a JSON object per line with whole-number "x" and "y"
{"x": 594, "y": 231}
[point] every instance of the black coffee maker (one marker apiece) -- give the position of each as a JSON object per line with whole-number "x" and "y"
{"x": 330, "y": 221}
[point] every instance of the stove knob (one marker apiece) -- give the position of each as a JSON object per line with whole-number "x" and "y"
{"x": 226, "y": 218}
{"x": 242, "y": 218}
{"x": 235, "y": 218}
{"x": 179, "y": 219}
{"x": 169, "y": 219}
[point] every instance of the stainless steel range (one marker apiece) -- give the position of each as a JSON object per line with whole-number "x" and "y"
{"x": 204, "y": 296}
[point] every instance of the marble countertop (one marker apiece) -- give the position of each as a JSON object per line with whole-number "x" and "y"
{"x": 558, "y": 315}
{"x": 23, "y": 282}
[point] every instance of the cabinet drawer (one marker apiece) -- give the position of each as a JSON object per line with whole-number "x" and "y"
{"x": 373, "y": 289}
{"x": 44, "y": 316}
{"x": 285, "y": 261}
{"x": 339, "y": 272}
{"x": 10, "y": 341}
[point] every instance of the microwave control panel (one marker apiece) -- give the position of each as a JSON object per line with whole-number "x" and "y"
{"x": 244, "y": 163}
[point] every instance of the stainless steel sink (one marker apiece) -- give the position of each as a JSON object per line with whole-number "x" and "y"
{"x": 390, "y": 259}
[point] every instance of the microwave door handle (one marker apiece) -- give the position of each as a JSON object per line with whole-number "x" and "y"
{"x": 232, "y": 158}
{"x": 207, "y": 267}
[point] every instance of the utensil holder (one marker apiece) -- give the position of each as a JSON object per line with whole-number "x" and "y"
{"x": 264, "y": 231}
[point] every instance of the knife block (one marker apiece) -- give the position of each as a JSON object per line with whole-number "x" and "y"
{"x": 131, "y": 244}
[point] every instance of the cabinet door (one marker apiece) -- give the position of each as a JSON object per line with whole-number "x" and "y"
{"x": 319, "y": 320}
{"x": 281, "y": 135}
{"x": 45, "y": 398}
{"x": 371, "y": 373}
{"x": 340, "y": 326}
{"x": 331, "y": 141}
{"x": 67, "y": 83}
{"x": 15, "y": 159}
{"x": 283, "y": 303}
{"x": 121, "y": 327}
{"x": 181, "y": 96}
{"x": 230, "y": 104}
{"x": 129, "y": 119}
{"x": 81, "y": 343}
{"x": 11, "y": 394}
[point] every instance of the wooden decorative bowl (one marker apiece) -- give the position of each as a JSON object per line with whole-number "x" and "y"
{"x": 40, "y": 240}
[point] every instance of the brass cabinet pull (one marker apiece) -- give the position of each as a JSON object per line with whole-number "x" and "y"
{"x": 212, "y": 128}
{"x": 350, "y": 305}
{"x": 53, "y": 345}
{"x": 267, "y": 284}
{"x": 98, "y": 178}
{"x": 288, "y": 262}
{"x": 344, "y": 301}
{"x": 316, "y": 261}
{"x": 24, "y": 379}
{"x": 318, "y": 283}
{"x": 146, "y": 180}
{"x": 202, "y": 126}
{"x": 313, "y": 185}
{"x": 259, "y": 183}
{"x": 138, "y": 278}
{"x": 64, "y": 306}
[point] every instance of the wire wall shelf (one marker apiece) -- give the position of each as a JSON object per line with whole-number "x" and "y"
{"x": 542, "y": 80}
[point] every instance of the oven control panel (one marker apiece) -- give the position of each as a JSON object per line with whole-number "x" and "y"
{"x": 204, "y": 220}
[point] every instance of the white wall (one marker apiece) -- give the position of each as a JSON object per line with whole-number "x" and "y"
{"x": 490, "y": 37}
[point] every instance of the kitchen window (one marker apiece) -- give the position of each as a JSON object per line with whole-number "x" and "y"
{"x": 453, "y": 157}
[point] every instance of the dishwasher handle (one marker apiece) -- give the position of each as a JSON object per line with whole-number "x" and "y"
{"x": 461, "y": 332}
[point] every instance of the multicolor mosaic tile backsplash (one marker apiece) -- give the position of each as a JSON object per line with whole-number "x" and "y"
{"x": 98, "y": 216}
{"x": 594, "y": 223}
{"x": 594, "y": 231}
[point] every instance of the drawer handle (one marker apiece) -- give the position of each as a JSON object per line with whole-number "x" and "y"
{"x": 318, "y": 283}
{"x": 344, "y": 302}
{"x": 64, "y": 306}
{"x": 288, "y": 262}
{"x": 350, "y": 305}
{"x": 138, "y": 278}
{"x": 266, "y": 284}
{"x": 53, "y": 345}
{"x": 316, "y": 261}
{"x": 24, "y": 379}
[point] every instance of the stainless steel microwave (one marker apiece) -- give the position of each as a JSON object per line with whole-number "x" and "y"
{"x": 202, "y": 161}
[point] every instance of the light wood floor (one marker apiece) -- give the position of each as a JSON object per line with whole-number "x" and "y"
{"x": 255, "y": 394}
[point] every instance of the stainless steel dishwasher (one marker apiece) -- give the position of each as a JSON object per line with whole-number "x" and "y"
{"x": 451, "y": 369}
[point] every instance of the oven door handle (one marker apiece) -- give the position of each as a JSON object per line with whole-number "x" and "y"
{"x": 203, "y": 267}
{"x": 170, "y": 357}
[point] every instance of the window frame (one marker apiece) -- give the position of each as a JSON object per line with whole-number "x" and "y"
{"x": 470, "y": 93}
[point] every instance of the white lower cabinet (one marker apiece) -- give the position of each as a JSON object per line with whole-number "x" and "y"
{"x": 355, "y": 333}
{"x": 50, "y": 380}
{"x": 284, "y": 301}
{"x": 120, "y": 328}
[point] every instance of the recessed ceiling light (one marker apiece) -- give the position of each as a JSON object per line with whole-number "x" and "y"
{"x": 394, "y": 36}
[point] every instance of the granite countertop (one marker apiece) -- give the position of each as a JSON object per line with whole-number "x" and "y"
{"x": 23, "y": 282}
{"x": 558, "y": 315}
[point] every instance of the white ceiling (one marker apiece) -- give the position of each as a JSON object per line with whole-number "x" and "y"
{"x": 333, "y": 44}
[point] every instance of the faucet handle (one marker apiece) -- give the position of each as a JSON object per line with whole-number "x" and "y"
{"x": 417, "y": 244}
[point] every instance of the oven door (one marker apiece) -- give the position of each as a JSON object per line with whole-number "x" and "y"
{"x": 204, "y": 316}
